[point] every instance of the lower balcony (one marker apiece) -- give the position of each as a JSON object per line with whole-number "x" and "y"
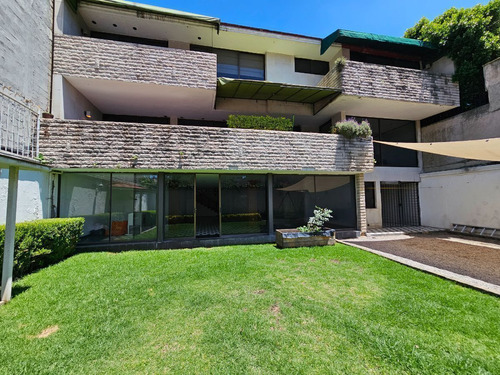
{"x": 91, "y": 145}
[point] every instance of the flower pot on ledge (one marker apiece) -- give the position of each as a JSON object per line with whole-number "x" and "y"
{"x": 287, "y": 238}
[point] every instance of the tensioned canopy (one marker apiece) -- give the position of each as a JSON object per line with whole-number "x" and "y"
{"x": 480, "y": 149}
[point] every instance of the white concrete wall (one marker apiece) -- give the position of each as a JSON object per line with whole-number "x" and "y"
{"x": 444, "y": 65}
{"x": 69, "y": 103}
{"x": 281, "y": 68}
{"x": 25, "y": 49}
{"x": 386, "y": 174}
{"x": 470, "y": 197}
{"x": 67, "y": 21}
{"x": 33, "y": 197}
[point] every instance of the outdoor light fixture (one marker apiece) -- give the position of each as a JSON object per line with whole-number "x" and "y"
{"x": 87, "y": 114}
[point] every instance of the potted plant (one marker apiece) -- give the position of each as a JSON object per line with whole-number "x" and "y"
{"x": 311, "y": 234}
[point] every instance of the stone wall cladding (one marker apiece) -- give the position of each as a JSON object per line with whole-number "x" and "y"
{"x": 112, "y": 60}
{"x": 390, "y": 82}
{"x": 25, "y": 50}
{"x": 116, "y": 145}
{"x": 360, "y": 203}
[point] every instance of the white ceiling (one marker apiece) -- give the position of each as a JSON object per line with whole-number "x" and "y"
{"x": 142, "y": 99}
{"x": 102, "y": 18}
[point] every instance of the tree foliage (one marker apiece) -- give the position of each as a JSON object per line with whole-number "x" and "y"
{"x": 471, "y": 38}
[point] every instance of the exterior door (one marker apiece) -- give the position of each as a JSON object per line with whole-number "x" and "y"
{"x": 207, "y": 205}
{"x": 400, "y": 204}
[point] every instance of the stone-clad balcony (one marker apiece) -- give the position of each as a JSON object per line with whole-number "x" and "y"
{"x": 80, "y": 144}
{"x": 393, "y": 83}
{"x": 92, "y": 58}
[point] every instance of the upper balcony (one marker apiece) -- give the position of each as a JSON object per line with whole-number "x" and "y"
{"x": 140, "y": 78}
{"x": 411, "y": 92}
{"x": 81, "y": 145}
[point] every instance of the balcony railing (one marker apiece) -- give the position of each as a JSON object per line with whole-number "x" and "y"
{"x": 19, "y": 128}
{"x": 393, "y": 83}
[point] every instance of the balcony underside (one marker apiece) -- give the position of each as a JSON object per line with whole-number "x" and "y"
{"x": 143, "y": 99}
{"x": 382, "y": 108}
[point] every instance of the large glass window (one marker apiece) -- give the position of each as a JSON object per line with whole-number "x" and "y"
{"x": 179, "y": 205}
{"x": 236, "y": 64}
{"x": 87, "y": 195}
{"x": 294, "y": 199}
{"x": 393, "y": 131}
{"x": 133, "y": 207}
{"x": 243, "y": 204}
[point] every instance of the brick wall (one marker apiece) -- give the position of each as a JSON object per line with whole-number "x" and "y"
{"x": 107, "y": 59}
{"x": 115, "y": 145}
{"x": 389, "y": 82}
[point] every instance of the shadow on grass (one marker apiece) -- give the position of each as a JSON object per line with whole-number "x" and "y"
{"x": 18, "y": 289}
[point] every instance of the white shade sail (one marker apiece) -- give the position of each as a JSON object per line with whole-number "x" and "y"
{"x": 479, "y": 149}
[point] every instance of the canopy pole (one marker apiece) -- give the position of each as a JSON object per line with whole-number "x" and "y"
{"x": 10, "y": 229}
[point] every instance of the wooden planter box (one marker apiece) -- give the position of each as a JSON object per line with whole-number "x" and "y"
{"x": 286, "y": 238}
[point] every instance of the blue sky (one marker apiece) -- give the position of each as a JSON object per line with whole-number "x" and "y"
{"x": 320, "y": 17}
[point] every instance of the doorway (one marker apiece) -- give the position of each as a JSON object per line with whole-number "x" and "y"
{"x": 207, "y": 205}
{"x": 400, "y": 204}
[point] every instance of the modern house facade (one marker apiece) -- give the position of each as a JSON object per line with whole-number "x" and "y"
{"x": 139, "y": 146}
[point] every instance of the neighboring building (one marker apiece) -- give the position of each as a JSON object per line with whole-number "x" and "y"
{"x": 461, "y": 191}
{"x": 140, "y": 96}
{"x": 25, "y": 85}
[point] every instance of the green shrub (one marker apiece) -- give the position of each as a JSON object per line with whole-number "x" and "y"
{"x": 43, "y": 242}
{"x": 352, "y": 129}
{"x": 260, "y": 122}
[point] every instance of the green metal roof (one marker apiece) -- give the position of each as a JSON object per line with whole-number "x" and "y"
{"x": 263, "y": 90}
{"x": 377, "y": 41}
{"x": 149, "y": 8}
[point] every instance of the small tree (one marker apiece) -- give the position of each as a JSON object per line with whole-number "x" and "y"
{"x": 316, "y": 222}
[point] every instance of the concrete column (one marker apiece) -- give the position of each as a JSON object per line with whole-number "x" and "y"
{"x": 360, "y": 203}
{"x": 10, "y": 230}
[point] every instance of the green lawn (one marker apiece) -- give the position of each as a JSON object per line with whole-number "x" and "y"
{"x": 246, "y": 310}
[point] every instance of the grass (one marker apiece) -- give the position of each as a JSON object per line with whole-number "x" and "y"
{"x": 246, "y": 310}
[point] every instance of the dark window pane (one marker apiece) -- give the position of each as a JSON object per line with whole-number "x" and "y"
{"x": 302, "y": 65}
{"x": 337, "y": 193}
{"x": 370, "y": 194}
{"x": 319, "y": 67}
{"x": 87, "y": 195}
{"x": 292, "y": 200}
{"x": 235, "y": 64}
{"x": 179, "y": 205}
{"x": 392, "y": 131}
{"x": 311, "y": 66}
{"x": 251, "y": 66}
{"x": 243, "y": 204}
{"x": 133, "y": 207}
{"x": 295, "y": 197}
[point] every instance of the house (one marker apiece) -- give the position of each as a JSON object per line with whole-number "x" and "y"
{"x": 138, "y": 142}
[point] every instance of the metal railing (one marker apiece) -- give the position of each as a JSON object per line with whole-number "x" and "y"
{"x": 19, "y": 127}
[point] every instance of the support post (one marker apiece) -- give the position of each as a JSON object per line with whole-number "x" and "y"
{"x": 270, "y": 205}
{"x": 160, "y": 213}
{"x": 10, "y": 230}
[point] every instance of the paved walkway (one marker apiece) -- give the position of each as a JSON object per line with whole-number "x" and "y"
{"x": 464, "y": 264}
{"x": 401, "y": 230}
